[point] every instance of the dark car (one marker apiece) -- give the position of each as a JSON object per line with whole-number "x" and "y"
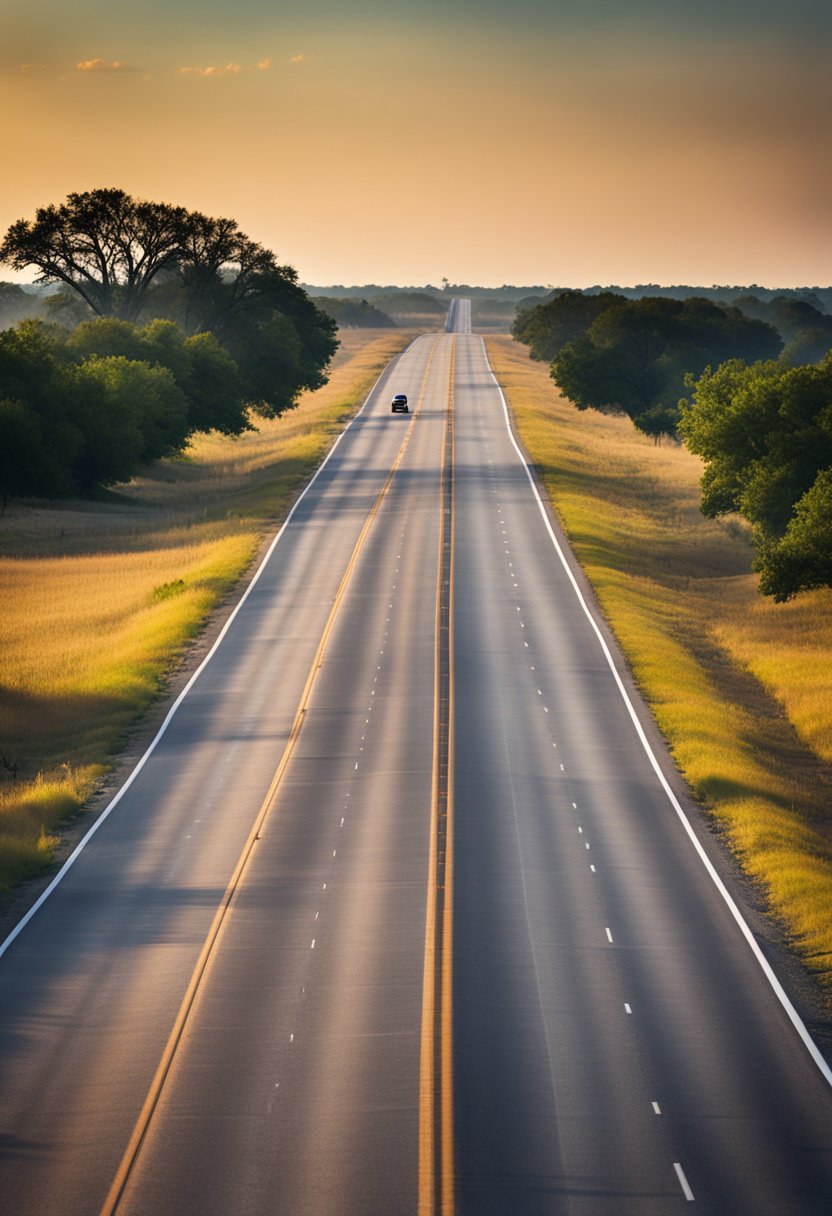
{"x": 399, "y": 404}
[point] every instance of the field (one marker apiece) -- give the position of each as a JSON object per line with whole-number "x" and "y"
{"x": 740, "y": 687}
{"x": 98, "y": 599}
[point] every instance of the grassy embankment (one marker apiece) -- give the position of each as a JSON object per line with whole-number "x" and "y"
{"x": 97, "y": 600}
{"x": 741, "y": 687}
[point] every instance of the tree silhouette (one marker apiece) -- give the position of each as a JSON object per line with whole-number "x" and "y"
{"x": 105, "y": 245}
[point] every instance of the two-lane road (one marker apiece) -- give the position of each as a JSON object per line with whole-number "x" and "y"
{"x": 617, "y": 1045}
{"x": 299, "y": 1064}
{"x": 219, "y": 1014}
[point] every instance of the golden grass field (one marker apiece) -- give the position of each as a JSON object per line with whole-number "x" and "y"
{"x": 98, "y": 599}
{"x": 741, "y": 687}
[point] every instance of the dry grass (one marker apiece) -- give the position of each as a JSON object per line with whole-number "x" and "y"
{"x": 98, "y": 599}
{"x": 740, "y": 686}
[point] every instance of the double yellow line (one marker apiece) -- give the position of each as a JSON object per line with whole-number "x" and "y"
{"x": 137, "y": 1138}
{"x": 436, "y": 1107}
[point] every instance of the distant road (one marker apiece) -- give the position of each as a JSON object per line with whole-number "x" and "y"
{"x": 458, "y": 320}
{"x": 216, "y": 1014}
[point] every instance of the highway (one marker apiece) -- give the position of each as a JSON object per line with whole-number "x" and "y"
{"x": 397, "y": 916}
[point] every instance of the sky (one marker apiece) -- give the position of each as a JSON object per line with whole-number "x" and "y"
{"x": 553, "y": 142}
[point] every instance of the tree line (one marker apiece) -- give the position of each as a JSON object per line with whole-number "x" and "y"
{"x": 720, "y": 380}
{"x": 354, "y": 314}
{"x": 167, "y": 322}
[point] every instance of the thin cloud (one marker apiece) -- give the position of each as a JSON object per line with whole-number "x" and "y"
{"x": 297, "y": 58}
{"x": 103, "y": 65}
{"x": 229, "y": 69}
{"x": 265, "y": 64}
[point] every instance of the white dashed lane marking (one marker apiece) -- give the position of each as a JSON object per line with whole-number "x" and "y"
{"x": 680, "y": 1174}
{"x": 683, "y": 1182}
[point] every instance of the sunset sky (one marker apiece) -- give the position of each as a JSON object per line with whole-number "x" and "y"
{"x": 565, "y": 142}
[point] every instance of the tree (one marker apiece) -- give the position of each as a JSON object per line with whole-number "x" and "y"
{"x": 358, "y": 314}
{"x": 586, "y": 375}
{"x": 37, "y": 414}
{"x": 223, "y": 274}
{"x": 113, "y": 394}
{"x": 637, "y": 353}
{"x": 206, "y": 374}
{"x": 110, "y": 409}
{"x": 80, "y": 423}
{"x": 800, "y": 321}
{"x": 802, "y": 559}
{"x": 765, "y": 433}
{"x": 546, "y": 328}
{"x": 214, "y": 387}
{"x": 117, "y": 398}
{"x": 103, "y": 244}
{"x": 281, "y": 342}
{"x": 25, "y": 462}
{"x": 126, "y": 258}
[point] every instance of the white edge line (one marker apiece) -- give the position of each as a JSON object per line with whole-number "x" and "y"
{"x": 793, "y": 1015}
{"x": 82, "y": 844}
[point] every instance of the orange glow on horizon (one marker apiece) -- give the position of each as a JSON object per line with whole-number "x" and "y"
{"x": 619, "y": 165}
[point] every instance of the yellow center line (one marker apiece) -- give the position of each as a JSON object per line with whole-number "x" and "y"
{"x": 128, "y": 1161}
{"x": 436, "y": 1143}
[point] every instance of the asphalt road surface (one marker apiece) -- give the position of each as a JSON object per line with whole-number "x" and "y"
{"x": 237, "y": 999}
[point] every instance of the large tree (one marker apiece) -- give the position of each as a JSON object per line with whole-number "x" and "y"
{"x": 547, "y": 327}
{"x": 636, "y": 355}
{"x": 124, "y": 259}
{"x": 103, "y": 244}
{"x": 765, "y": 433}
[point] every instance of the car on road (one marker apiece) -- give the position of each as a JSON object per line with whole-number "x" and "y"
{"x": 399, "y": 404}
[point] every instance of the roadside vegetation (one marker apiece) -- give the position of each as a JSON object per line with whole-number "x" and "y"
{"x": 635, "y": 356}
{"x": 352, "y": 314}
{"x": 765, "y": 433}
{"x": 414, "y": 308}
{"x": 98, "y": 598}
{"x": 731, "y": 386}
{"x": 167, "y": 323}
{"x": 740, "y": 686}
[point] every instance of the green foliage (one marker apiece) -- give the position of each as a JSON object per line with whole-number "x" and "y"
{"x": 24, "y": 461}
{"x": 636, "y": 354}
{"x": 765, "y": 433}
{"x": 37, "y": 414}
{"x": 202, "y": 369}
{"x": 98, "y": 397}
{"x": 803, "y": 326}
{"x": 273, "y": 358}
{"x": 802, "y": 558}
{"x": 166, "y": 591}
{"x": 71, "y": 424}
{"x": 585, "y": 373}
{"x": 214, "y": 387}
{"x": 282, "y": 342}
{"x": 142, "y": 399}
{"x": 123, "y": 258}
{"x": 546, "y": 328}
